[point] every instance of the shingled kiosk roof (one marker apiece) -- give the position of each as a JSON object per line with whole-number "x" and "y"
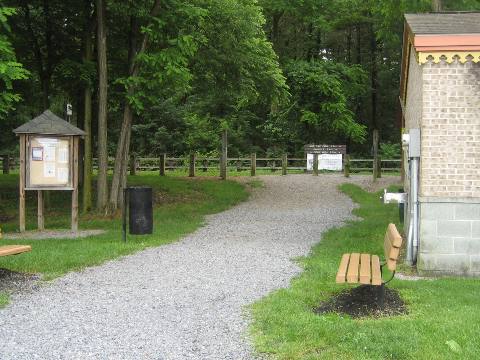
{"x": 49, "y": 124}
{"x": 458, "y": 23}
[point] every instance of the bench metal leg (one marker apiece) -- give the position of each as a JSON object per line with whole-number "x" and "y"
{"x": 381, "y": 295}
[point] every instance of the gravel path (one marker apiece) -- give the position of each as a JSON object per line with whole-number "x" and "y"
{"x": 185, "y": 300}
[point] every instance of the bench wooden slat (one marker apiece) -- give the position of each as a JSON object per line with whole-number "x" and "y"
{"x": 376, "y": 273}
{"x": 395, "y": 236}
{"x": 365, "y": 270}
{"x": 352, "y": 273}
{"x": 392, "y": 244}
{"x": 342, "y": 269}
{"x": 14, "y": 249}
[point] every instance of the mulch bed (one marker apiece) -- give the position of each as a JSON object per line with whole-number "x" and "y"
{"x": 362, "y": 301}
{"x": 14, "y": 282}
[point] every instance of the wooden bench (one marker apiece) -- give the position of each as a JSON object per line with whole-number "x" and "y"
{"x": 6, "y": 250}
{"x": 356, "y": 268}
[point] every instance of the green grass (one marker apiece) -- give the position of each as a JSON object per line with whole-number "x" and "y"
{"x": 183, "y": 204}
{"x": 3, "y": 299}
{"x": 443, "y": 320}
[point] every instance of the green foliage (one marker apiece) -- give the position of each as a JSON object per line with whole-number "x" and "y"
{"x": 10, "y": 69}
{"x": 276, "y": 73}
{"x": 390, "y": 150}
{"x": 323, "y": 90}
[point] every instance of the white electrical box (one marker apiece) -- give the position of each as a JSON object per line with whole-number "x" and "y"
{"x": 414, "y": 143}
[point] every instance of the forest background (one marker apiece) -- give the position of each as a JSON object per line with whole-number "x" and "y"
{"x": 155, "y": 76}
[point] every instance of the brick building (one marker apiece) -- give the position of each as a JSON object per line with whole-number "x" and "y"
{"x": 440, "y": 96}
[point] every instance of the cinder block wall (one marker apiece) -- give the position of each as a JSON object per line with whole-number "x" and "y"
{"x": 450, "y": 170}
{"x": 449, "y": 238}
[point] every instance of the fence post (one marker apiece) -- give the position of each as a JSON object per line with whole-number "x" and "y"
{"x": 223, "y": 159}
{"x": 191, "y": 172}
{"x": 6, "y": 164}
{"x": 133, "y": 165}
{"x": 375, "y": 155}
{"x": 239, "y": 165}
{"x": 315, "y": 164}
{"x": 284, "y": 164}
{"x": 205, "y": 165}
{"x": 379, "y": 167}
{"x": 163, "y": 158}
{"x": 346, "y": 165}
{"x": 253, "y": 164}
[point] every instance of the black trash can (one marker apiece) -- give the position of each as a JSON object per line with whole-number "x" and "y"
{"x": 140, "y": 210}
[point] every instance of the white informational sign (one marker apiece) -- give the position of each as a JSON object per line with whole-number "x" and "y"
{"x": 332, "y": 162}
{"x": 49, "y": 162}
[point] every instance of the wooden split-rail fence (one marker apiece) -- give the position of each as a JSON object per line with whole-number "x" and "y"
{"x": 195, "y": 165}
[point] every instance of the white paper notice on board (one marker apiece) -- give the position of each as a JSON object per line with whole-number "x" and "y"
{"x": 62, "y": 175}
{"x": 37, "y": 153}
{"x": 330, "y": 162}
{"x": 49, "y": 170}
{"x": 309, "y": 162}
{"x": 63, "y": 155}
{"x": 50, "y": 150}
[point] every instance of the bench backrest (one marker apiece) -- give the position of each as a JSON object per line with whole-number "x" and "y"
{"x": 392, "y": 244}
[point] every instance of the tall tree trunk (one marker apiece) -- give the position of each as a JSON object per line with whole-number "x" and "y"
{"x": 437, "y": 5}
{"x": 48, "y": 42}
{"x": 102, "y": 186}
{"x": 42, "y": 73}
{"x": 349, "y": 45}
{"x": 121, "y": 157}
{"x": 277, "y": 15}
{"x": 87, "y": 124}
{"x": 374, "y": 77}
{"x": 374, "y": 98}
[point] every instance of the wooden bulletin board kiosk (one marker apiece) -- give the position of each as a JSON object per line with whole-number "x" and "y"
{"x": 48, "y": 161}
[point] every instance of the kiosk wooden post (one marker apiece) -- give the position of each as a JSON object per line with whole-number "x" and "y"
{"x": 21, "y": 200}
{"x": 40, "y": 208}
{"x": 49, "y": 160}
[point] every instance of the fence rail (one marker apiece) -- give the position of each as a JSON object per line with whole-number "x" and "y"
{"x": 204, "y": 164}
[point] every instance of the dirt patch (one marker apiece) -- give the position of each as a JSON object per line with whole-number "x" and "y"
{"x": 368, "y": 184}
{"x": 14, "y": 282}
{"x": 362, "y": 301}
{"x": 52, "y": 234}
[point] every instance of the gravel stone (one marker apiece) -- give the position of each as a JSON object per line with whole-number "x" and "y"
{"x": 184, "y": 300}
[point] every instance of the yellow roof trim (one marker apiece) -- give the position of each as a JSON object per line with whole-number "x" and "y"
{"x": 448, "y": 56}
